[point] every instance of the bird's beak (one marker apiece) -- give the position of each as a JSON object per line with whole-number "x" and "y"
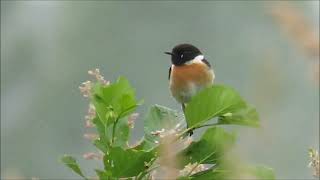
{"x": 169, "y": 53}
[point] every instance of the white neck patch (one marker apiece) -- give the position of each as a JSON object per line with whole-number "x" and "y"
{"x": 197, "y": 59}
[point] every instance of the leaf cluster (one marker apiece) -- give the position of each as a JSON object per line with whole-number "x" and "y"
{"x": 115, "y": 102}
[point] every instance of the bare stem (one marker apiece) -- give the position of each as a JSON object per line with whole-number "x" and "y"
{"x": 193, "y": 128}
{"x": 205, "y": 125}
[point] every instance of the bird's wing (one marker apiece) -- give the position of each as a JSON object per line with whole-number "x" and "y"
{"x": 206, "y": 62}
{"x": 169, "y": 73}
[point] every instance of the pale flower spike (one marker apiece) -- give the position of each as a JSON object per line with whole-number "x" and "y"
{"x": 90, "y": 116}
{"x": 91, "y": 136}
{"x": 315, "y": 162}
{"x": 89, "y": 124}
{"x": 132, "y": 118}
{"x": 98, "y": 76}
{"x": 162, "y": 133}
{"x": 85, "y": 88}
{"x": 92, "y": 156}
{"x": 187, "y": 141}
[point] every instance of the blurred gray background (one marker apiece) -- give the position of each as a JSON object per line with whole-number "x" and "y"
{"x": 48, "y": 47}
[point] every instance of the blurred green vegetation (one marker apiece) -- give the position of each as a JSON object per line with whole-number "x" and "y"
{"x": 47, "y": 48}
{"x": 158, "y": 155}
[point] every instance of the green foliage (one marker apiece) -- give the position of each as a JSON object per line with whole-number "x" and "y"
{"x": 223, "y": 102}
{"x": 105, "y": 133}
{"x": 126, "y": 163}
{"x": 216, "y": 173}
{"x": 262, "y": 172}
{"x": 223, "y": 173}
{"x": 115, "y": 102}
{"x": 102, "y": 174}
{"x": 72, "y": 164}
{"x": 246, "y": 116}
{"x": 159, "y": 118}
{"x": 209, "y": 149}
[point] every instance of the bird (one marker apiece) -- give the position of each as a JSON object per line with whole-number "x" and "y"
{"x": 189, "y": 73}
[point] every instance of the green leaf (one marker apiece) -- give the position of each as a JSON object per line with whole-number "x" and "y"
{"x": 218, "y": 101}
{"x": 226, "y": 173}
{"x": 100, "y": 145}
{"x": 101, "y": 109}
{"x": 214, "y": 174}
{"x": 121, "y": 96}
{"x": 118, "y": 98}
{"x": 122, "y": 134}
{"x": 209, "y": 149}
{"x": 144, "y": 145}
{"x": 72, "y": 164}
{"x": 126, "y": 163}
{"x": 247, "y": 116}
{"x": 232, "y": 171}
{"x": 120, "y": 87}
{"x": 101, "y": 128}
{"x": 103, "y": 175}
{"x": 126, "y": 105}
{"x": 262, "y": 172}
{"x": 160, "y": 118}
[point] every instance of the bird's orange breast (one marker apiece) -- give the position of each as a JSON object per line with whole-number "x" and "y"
{"x": 186, "y": 79}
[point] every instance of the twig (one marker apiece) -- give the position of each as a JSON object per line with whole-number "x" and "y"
{"x": 212, "y": 124}
{"x": 143, "y": 173}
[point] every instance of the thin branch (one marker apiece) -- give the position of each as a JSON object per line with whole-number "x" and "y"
{"x": 193, "y": 128}
{"x": 116, "y": 121}
{"x": 205, "y": 125}
{"x": 145, "y": 172}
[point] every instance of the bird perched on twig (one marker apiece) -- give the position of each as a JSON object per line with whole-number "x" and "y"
{"x": 189, "y": 73}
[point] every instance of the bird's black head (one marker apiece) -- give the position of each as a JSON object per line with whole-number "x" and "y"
{"x": 183, "y": 53}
